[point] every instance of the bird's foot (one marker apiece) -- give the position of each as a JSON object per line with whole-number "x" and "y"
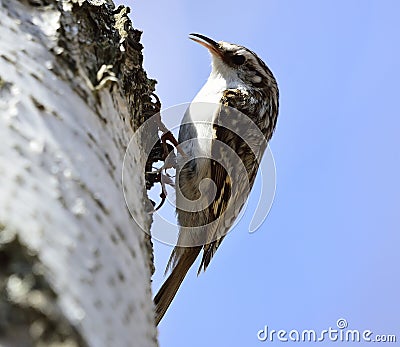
{"x": 164, "y": 179}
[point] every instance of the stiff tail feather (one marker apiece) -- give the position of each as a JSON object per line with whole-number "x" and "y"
{"x": 167, "y": 292}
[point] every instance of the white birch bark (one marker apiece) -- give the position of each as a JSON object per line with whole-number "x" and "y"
{"x": 75, "y": 268}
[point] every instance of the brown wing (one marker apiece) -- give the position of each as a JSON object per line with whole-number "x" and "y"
{"x": 237, "y": 147}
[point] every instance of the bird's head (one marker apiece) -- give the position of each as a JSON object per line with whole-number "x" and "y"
{"x": 237, "y": 62}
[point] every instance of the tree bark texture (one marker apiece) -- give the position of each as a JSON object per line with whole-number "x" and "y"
{"x": 75, "y": 267}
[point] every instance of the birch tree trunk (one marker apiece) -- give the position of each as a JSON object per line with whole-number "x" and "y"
{"x": 75, "y": 267}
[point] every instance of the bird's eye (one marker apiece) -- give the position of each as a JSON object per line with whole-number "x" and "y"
{"x": 238, "y": 59}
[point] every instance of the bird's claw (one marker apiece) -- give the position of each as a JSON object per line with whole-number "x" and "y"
{"x": 163, "y": 197}
{"x": 163, "y": 179}
{"x": 168, "y": 157}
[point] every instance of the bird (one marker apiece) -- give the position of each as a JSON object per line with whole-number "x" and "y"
{"x": 223, "y": 135}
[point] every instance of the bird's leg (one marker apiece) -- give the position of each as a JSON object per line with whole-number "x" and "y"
{"x": 163, "y": 179}
{"x": 169, "y": 160}
{"x": 167, "y": 135}
{"x": 168, "y": 155}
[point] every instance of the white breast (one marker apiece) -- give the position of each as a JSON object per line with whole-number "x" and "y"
{"x": 205, "y": 106}
{"x": 201, "y": 113}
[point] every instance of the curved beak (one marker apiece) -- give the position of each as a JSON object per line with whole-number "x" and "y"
{"x": 210, "y": 44}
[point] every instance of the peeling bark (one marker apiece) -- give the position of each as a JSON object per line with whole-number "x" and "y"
{"x": 75, "y": 267}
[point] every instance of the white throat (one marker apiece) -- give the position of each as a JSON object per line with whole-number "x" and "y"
{"x": 222, "y": 77}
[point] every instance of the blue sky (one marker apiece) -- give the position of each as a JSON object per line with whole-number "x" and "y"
{"x": 329, "y": 248}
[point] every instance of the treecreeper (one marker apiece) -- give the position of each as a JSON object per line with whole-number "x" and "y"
{"x": 222, "y": 138}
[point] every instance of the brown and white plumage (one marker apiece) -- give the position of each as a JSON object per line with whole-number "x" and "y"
{"x": 224, "y": 134}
